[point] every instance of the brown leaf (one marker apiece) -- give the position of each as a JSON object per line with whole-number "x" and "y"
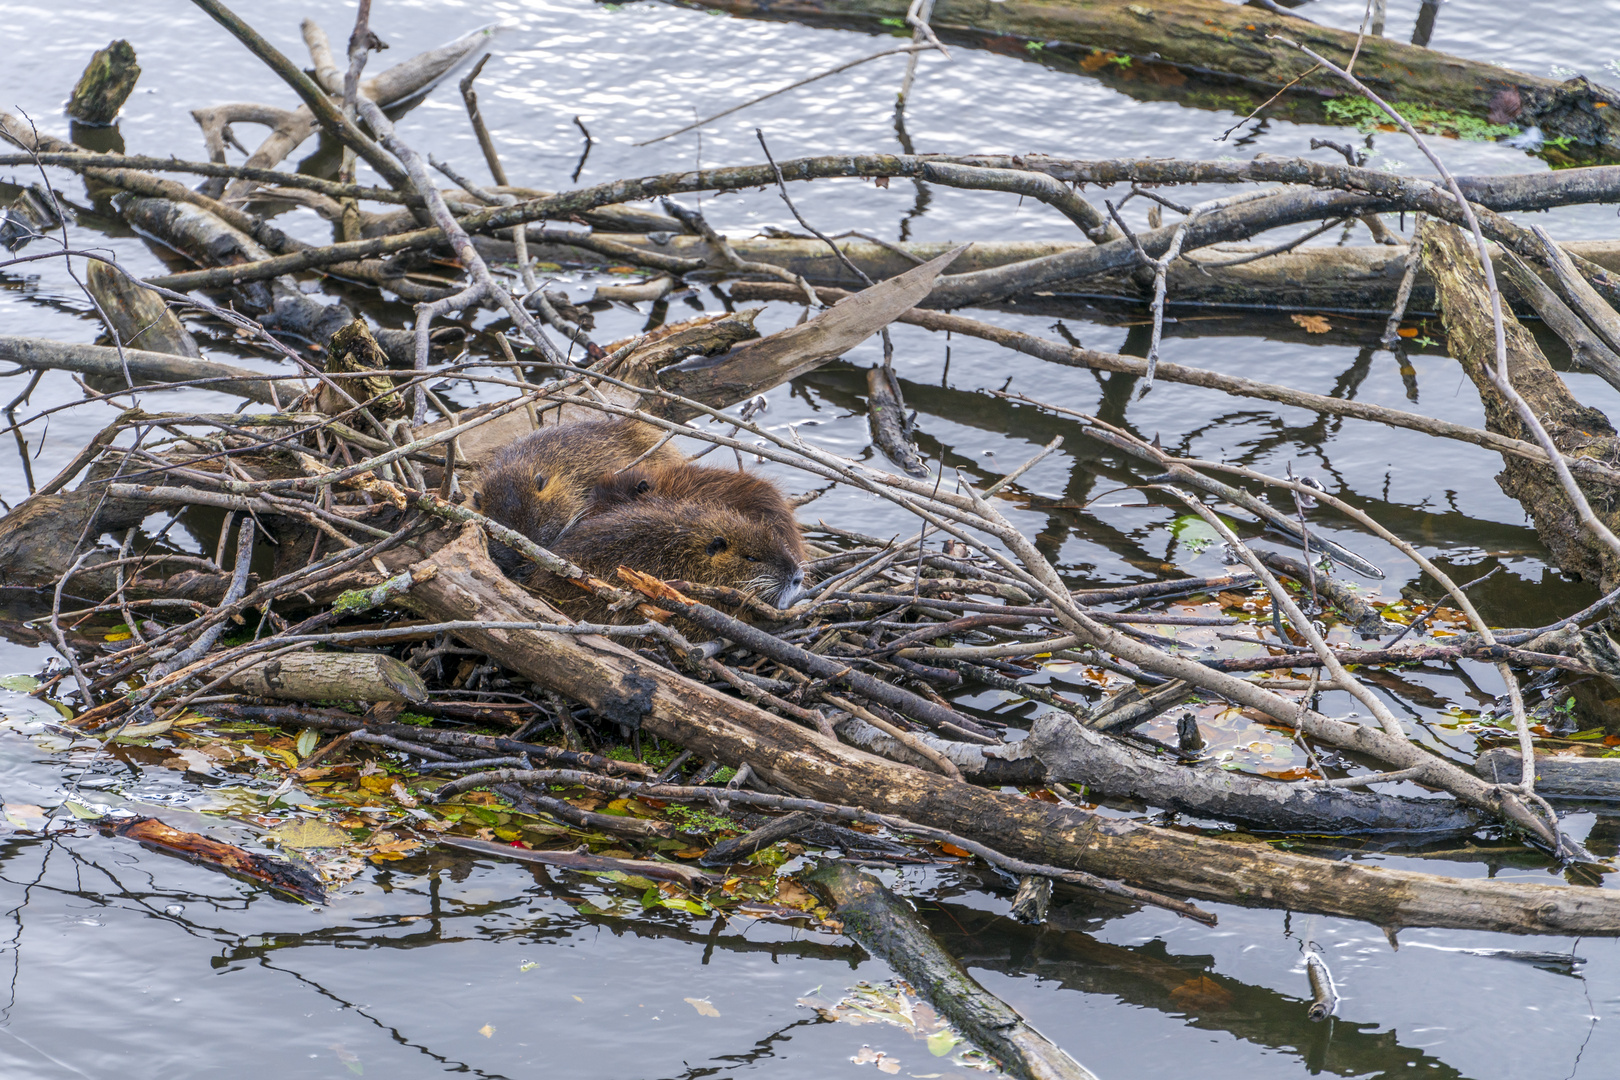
{"x": 1312, "y": 324}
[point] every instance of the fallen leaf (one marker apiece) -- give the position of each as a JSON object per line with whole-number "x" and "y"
{"x": 791, "y": 894}
{"x": 952, "y": 849}
{"x": 1312, "y": 324}
{"x": 26, "y": 816}
{"x": 1202, "y": 993}
{"x": 1407, "y": 331}
{"x": 487, "y": 1030}
{"x": 308, "y": 833}
{"x": 377, "y": 785}
{"x": 703, "y": 1006}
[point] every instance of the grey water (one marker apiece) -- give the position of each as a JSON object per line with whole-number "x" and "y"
{"x": 118, "y": 962}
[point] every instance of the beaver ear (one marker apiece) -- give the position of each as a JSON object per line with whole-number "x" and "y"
{"x": 539, "y": 481}
{"x": 716, "y": 546}
{"x": 643, "y": 487}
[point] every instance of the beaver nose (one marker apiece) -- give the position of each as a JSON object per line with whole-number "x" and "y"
{"x": 792, "y": 590}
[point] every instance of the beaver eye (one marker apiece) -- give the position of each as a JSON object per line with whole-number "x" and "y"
{"x": 752, "y": 558}
{"x": 643, "y": 487}
{"x": 716, "y": 546}
{"x": 539, "y": 481}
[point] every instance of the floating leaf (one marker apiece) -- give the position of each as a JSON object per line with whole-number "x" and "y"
{"x": 487, "y": 1030}
{"x": 307, "y": 740}
{"x": 20, "y": 683}
{"x": 703, "y": 1006}
{"x": 1312, "y": 324}
{"x": 26, "y": 816}
{"x": 309, "y": 833}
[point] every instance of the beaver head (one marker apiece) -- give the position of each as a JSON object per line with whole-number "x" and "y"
{"x": 541, "y": 484}
{"x": 699, "y": 541}
{"x": 754, "y": 497}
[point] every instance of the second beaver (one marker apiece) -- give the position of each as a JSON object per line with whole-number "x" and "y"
{"x": 677, "y": 539}
{"x": 541, "y": 484}
{"x": 754, "y": 497}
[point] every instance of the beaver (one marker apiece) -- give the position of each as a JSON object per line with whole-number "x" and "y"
{"x": 693, "y": 540}
{"x": 542, "y": 483}
{"x": 754, "y": 497}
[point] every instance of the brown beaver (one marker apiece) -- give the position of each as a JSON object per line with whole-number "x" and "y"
{"x": 677, "y": 539}
{"x": 754, "y": 497}
{"x": 541, "y": 484}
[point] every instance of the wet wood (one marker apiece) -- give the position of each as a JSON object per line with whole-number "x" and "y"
{"x": 1170, "y": 43}
{"x": 1578, "y": 430}
{"x": 740, "y": 847}
{"x": 106, "y": 84}
{"x": 272, "y": 873}
{"x": 1557, "y": 776}
{"x": 582, "y": 861}
{"x": 140, "y": 317}
{"x": 886, "y": 416}
{"x": 887, "y": 927}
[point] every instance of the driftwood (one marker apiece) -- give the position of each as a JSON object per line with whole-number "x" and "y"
{"x": 1182, "y": 42}
{"x": 1578, "y": 430}
{"x": 105, "y": 85}
{"x": 331, "y": 677}
{"x": 1557, "y": 776}
{"x": 885, "y": 926}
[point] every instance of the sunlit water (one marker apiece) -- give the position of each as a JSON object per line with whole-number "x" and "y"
{"x": 118, "y": 962}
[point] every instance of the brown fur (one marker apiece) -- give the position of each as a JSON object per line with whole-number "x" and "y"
{"x": 754, "y": 497}
{"x": 541, "y": 484}
{"x": 681, "y": 540}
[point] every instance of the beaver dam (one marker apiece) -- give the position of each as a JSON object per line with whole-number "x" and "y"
{"x": 432, "y": 521}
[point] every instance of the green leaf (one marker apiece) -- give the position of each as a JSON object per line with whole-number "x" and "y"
{"x": 20, "y": 683}
{"x": 307, "y": 740}
{"x": 942, "y": 1042}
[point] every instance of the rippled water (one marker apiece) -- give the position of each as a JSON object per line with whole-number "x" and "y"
{"x": 121, "y": 962}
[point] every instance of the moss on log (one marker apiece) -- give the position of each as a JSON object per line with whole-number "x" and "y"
{"x": 1209, "y": 54}
{"x": 105, "y": 85}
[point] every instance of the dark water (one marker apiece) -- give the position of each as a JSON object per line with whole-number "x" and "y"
{"x": 117, "y": 962}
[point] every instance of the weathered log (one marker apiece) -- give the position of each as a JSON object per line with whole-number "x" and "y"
{"x": 886, "y": 926}
{"x": 139, "y": 316}
{"x": 1586, "y": 348}
{"x": 284, "y": 877}
{"x": 625, "y": 688}
{"x": 104, "y": 362}
{"x": 1072, "y": 754}
{"x": 1170, "y": 42}
{"x": 105, "y": 85}
{"x": 1558, "y": 776}
{"x": 1363, "y": 616}
{"x": 1578, "y": 430}
{"x": 331, "y": 676}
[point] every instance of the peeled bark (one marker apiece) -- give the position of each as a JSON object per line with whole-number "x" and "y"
{"x": 1557, "y": 777}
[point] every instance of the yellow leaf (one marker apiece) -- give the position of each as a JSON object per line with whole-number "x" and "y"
{"x": 377, "y": 785}
{"x": 703, "y": 1006}
{"x": 1312, "y": 324}
{"x": 487, "y": 1030}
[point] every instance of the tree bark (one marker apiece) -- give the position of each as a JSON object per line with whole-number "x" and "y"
{"x": 1577, "y": 429}
{"x": 331, "y": 677}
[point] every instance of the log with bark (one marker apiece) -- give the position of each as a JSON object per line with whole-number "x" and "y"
{"x": 1192, "y": 50}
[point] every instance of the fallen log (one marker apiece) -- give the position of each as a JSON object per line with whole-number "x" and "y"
{"x": 1578, "y": 430}
{"x": 886, "y": 926}
{"x": 105, "y": 85}
{"x": 1198, "y": 42}
{"x": 624, "y": 688}
{"x": 330, "y": 676}
{"x": 1557, "y": 776}
{"x": 103, "y": 362}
